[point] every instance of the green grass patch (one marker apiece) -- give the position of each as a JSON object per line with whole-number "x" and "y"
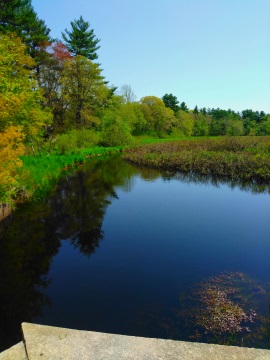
{"x": 38, "y": 174}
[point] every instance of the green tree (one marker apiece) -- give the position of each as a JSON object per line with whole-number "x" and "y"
{"x": 201, "y": 124}
{"x": 183, "y": 124}
{"x": 183, "y": 106}
{"x": 217, "y": 127}
{"x": 265, "y": 126}
{"x": 159, "y": 118}
{"x": 196, "y": 110}
{"x": 81, "y": 40}
{"x": 18, "y": 16}
{"x": 234, "y": 127}
{"x": 118, "y": 120}
{"x": 84, "y": 91}
{"x": 171, "y": 102}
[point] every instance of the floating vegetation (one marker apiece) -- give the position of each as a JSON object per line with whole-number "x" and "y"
{"x": 237, "y": 158}
{"x": 228, "y": 309}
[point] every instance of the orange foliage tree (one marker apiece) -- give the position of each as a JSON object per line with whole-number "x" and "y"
{"x": 11, "y": 147}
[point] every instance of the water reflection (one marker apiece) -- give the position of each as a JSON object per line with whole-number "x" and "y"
{"x": 254, "y": 187}
{"x": 74, "y": 213}
{"x": 25, "y": 256}
{"x": 31, "y": 236}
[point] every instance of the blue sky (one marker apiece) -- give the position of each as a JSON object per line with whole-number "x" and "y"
{"x": 212, "y": 53}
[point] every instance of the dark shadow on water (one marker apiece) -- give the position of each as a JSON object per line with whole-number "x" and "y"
{"x": 216, "y": 181}
{"x": 32, "y": 235}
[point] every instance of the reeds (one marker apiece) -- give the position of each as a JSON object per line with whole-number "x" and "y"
{"x": 239, "y": 158}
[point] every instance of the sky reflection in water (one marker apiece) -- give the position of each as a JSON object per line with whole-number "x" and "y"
{"x": 120, "y": 245}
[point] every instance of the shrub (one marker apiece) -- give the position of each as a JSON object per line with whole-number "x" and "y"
{"x": 115, "y": 135}
{"x": 76, "y": 139}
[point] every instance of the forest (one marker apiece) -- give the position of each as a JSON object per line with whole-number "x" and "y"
{"x": 55, "y": 103}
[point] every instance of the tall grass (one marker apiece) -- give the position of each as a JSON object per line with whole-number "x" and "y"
{"x": 38, "y": 174}
{"x": 241, "y": 158}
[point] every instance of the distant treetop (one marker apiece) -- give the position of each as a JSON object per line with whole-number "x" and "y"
{"x": 171, "y": 102}
{"x": 81, "y": 40}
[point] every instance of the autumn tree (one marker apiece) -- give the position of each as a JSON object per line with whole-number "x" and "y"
{"x": 50, "y": 74}
{"x": 20, "y": 98}
{"x": 81, "y": 40}
{"x": 11, "y": 147}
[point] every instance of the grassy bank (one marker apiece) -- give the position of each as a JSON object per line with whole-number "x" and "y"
{"x": 241, "y": 158}
{"x": 38, "y": 174}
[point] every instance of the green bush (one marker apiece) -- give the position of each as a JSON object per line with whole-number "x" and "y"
{"x": 115, "y": 135}
{"x": 76, "y": 139}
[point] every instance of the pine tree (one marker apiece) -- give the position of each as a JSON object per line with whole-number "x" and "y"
{"x": 19, "y": 17}
{"x": 81, "y": 40}
{"x": 183, "y": 106}
{"x": 171, "y": 102}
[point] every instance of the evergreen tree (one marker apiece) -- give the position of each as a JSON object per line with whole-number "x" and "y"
{"x": 196, "y": 110}
{"x": 81, "y": 40}
{"x": 183, "y": 106}
{"x": 18, "y": 16}
{"x": 171, "y": 102}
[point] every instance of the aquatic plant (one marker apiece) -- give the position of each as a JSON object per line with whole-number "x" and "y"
{"x": 229, "y": 308}
{"x": 219, "y": 314}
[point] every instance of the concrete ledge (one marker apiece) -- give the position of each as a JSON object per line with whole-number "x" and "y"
{"x": 16, "y": 352}
{"x": 51, "y": 343}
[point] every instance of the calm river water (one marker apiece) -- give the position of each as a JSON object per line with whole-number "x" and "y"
{"x": 119, "y": 249}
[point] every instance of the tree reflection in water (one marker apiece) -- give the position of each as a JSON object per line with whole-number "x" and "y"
{"x": 31, "y": 236}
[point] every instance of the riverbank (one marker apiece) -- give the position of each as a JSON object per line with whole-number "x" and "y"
{"x": 39, "y": 173}
{"x": 49, "y": 342}
{"x": 238, "y": 158}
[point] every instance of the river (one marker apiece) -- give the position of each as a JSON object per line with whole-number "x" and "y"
{"x": 119, "y": 249}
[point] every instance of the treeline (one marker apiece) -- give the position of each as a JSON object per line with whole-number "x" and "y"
{"x": 54, "y": 98}
{"x": 218, "y": 122}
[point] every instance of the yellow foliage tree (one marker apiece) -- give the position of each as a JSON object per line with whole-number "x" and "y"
{"x": 20, "y": 97}
{"x": 159, "y": 118}
{"x": 11, "y": 147}
{"x": 184, "y": 123}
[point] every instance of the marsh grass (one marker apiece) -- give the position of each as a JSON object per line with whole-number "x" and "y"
{"x": 239, "y": 158}
{"x": 39, "y": 174}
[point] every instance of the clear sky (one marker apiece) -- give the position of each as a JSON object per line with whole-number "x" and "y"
{"x": 210, "y": 53}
